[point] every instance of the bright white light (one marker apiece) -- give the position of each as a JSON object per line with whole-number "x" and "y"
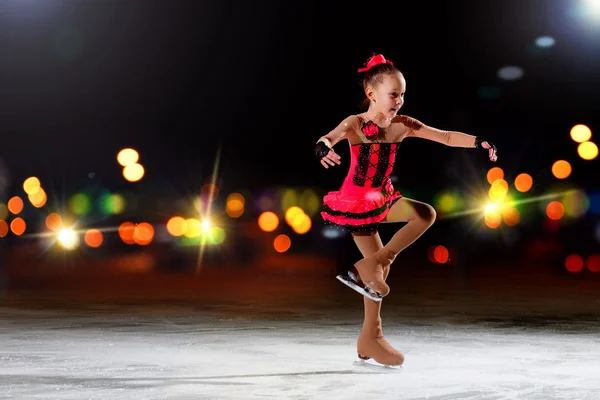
{"x": 545, "y": 41}
{"x": 68, "y": 239}
{"x": 206, "y": 225}
{"x": 491, "y": 207}
{"x": 510, "y": 73}
{"x": 593, "y": 5}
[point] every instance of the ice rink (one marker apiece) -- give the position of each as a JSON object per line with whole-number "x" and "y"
{"x": 295, "y": 347}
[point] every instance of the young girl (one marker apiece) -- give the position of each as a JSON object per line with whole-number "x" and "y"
{"x": 368, "y": 198}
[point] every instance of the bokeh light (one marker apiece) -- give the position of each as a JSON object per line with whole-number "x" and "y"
{"x": 561, "y": 169}
{"x": 3, "y": 228}
{"x": 574, "y": 263}
{"x": 581, "y": 133}
{"x": 511, "y": 216}
{"x": 593, "y": 263}
{"x": 54, "y": 222}
{"x": 15, "y": 205}
{"x": 555, "y": 210}
{"x": 492, "y": 219}
{"x": 68, "y": 239}
{"x": 441, "y": 254}
{"x": 93, "y": 238}
{"x": 127, "y": 157}
{"x": 31, "y": 185}
{"x": 133, "y": 172}
{"x": 268, "y": 221}
{"x": 576, "y": 203}
{"x": 494, "y": 174}
{"x": 126, "y": 230}
{"x": 143, "y": 233}
{"x": 234, "y": 205}
{"x": 282, "y": 243}
{"x": 523, "y": 182}
{"x": 545, "y": 41}
{"x": 18, "y": 226}
{"x": 510, "y": 73}
{"x": 176, "y": 226}
{"x": 587, "y": 150}
{"x": 498, "y": 190}
{"x": 39, "y": 198}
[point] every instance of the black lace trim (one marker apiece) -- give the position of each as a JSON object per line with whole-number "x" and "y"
{"x": 358, "y": 228}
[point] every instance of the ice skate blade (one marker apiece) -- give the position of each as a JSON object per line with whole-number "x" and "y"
{"x": 374, "y": 365}
{"x": 365, "y": 291}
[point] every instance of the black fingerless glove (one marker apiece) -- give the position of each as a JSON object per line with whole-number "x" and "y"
{"x": 321, "y": 150}
{"x": 479, "y": 140}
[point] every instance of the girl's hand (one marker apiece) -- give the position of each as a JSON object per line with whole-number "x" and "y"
{"x": 330, "y": 159}
{"x": 493, "y": 152}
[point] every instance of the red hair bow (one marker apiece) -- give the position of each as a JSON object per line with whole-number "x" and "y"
{"x": 375, "y": 60}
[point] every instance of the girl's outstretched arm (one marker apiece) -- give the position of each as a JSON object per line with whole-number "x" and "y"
{"x": 416, "y": 128}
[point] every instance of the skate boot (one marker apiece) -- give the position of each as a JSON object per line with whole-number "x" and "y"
{"x": 372, "y": 344}
{"x": 371, "y": 271}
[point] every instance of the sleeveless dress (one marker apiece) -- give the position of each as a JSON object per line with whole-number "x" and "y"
{"x": 367, "y": 194}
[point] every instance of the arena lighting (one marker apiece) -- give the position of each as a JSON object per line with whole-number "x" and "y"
{"x": 593, "y": 6}
{"x": 68, "y": 239}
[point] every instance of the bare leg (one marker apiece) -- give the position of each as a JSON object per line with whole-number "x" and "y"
{"x": 371, "y": 343}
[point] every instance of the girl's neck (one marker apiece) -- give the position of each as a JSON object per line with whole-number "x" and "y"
{"x": 378, "y": 118}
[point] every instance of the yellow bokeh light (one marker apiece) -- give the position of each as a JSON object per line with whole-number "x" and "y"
{"x": 581, "y": 133}
{"x": 38, "y": 198}
{"x": 302, "y": 224}
{"x": 292, "y": 214}
{"x": 523, "y": 182}
{"x": 31, "y": 185}
{"x": 268, "y": 221}
{"x": 193, "y": 228}
{"x": 498, "y": 190}
{"x": 127, "y": 157}
{"x": 587, "y": 150}
{"x": 561, "y": 169}
{"x": 176, "y": 226}
{"x": 133, "y": 172}
{"x": 494, "y": 174}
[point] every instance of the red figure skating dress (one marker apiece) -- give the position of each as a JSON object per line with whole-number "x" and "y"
{"x": 367, "y": 193}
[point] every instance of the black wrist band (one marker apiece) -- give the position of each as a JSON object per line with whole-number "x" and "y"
{"x": 321, "y": 150}
{"x": 478, "y": 142}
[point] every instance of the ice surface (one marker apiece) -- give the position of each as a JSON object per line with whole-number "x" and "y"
{"x": 151, "y": 353}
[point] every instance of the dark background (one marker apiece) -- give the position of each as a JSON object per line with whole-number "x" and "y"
{"x": 255, "y": 84}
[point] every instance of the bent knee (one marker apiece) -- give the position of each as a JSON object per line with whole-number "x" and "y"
{"x": 426, "y": 213}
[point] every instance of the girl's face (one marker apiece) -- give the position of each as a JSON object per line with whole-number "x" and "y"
{"x": 388, "y": 97}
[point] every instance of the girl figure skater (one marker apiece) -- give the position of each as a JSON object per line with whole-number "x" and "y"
{"x": 367, "y": 197}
